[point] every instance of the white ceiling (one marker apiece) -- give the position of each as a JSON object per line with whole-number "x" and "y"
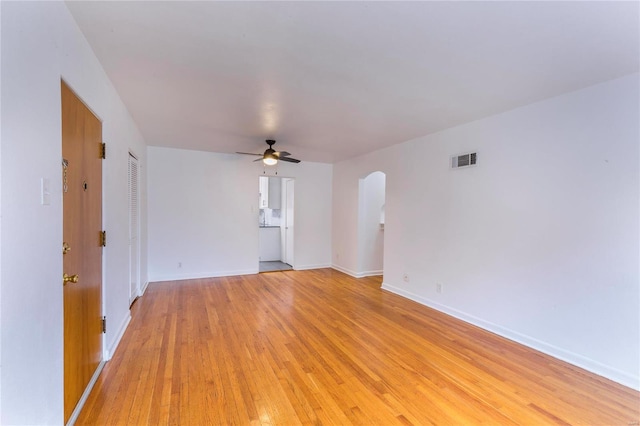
{"x": 332, "y": 80}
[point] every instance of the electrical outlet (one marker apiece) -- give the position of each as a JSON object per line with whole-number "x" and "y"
{"x": 439, "y": 287}
{"x": 405, "y": 278}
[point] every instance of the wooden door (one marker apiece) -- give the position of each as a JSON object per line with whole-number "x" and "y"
{"x": 82, "y": 223}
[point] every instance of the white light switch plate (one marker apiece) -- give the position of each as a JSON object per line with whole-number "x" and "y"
{"x": 45, "y": 192}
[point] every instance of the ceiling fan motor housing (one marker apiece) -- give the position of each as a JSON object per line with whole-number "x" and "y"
{"x": 271, "y": 156}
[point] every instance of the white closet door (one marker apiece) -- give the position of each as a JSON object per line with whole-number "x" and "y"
{"x": 134, "y": 230}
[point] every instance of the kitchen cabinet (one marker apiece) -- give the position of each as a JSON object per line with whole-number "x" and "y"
{"x": 270, "y": 193}
{"x": 275, "y": 193}
{"x": 264, "y": 192}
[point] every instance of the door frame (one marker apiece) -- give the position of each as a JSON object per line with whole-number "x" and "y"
{"x": 285, "y": 232}
{"x": 283, "y": 204}
{"x": 103, "y": 341}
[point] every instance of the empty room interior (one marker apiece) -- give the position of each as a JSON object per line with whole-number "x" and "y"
{"x": 319, "y": 213}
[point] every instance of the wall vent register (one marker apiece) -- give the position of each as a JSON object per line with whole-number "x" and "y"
{"x": 464, "y": 160}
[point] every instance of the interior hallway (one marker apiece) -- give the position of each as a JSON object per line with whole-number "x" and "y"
{"x": 321, "y": 347}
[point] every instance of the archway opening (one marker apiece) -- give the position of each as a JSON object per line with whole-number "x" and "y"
{"x": 371, "y": 203}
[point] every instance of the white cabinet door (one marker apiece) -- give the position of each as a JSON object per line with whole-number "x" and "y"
{"x": 275, "y": 191}
{"x": 264, "y": 192}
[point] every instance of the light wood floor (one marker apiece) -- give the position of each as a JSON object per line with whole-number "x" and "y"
{"x": 319, "y": 347}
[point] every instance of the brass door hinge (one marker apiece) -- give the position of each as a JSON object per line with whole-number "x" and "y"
{"x": 104, "y": 324}
{"x": 103, "y": 238}
{"x": 103, "y": 151}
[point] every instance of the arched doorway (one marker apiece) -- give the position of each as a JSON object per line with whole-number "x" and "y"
{"x": 371, "y": 203}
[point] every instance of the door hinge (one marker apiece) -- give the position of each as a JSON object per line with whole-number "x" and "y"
{"x": 103, "y": 238}
{"x": 103, "y": 151}
{"x": 104, "y": 324}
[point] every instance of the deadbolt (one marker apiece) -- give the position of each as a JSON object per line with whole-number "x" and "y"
{"x": 65, "y": 248}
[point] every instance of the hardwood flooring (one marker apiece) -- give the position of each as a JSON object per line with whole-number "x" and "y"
{"x": 319, "y": 347}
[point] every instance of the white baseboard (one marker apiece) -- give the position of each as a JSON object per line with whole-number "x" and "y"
{"x": 356, "y": 274}
{"x": 371, "y": 273}
{"x": 108, "y": 353}
{"x": 85, "y": 394}
{"x": 345, "y": 270}
{"x": 307, "y": 267}
{"x": 193, "y": 276}
{"x": 588, "y": 364}
{"x": 144, "y": 288}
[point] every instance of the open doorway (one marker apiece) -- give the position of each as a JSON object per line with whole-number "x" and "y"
{"x": 276, "y": 223}
{"x": 371, "y": 215}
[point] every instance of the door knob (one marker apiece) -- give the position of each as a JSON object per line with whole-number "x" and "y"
{"x": 69, "y": 278}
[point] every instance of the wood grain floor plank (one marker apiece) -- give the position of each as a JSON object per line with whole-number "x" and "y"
{"x": 319, "y": 347}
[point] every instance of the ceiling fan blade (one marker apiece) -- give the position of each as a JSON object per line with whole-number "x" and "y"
{"x": 248, "y": 153}
{"x": 259, "y": 159}
{"x": 282, "y": 154}
{"x": 289, "y": 159}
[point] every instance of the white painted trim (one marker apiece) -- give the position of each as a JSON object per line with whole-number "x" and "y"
{"x": 116, "y": 341}
{"x": 307, "y": 267}
{"x": 179, "y": 277}
{"x": 144, "y": 288}
{"x": 571, "y": 357}
{"x": 85, "y": 394}
{"x": 371, "y": 273}
{"x": 345, "y": 271}
{"x": 357, "y": 274}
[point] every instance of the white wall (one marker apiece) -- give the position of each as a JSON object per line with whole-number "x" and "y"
{"x": 371, "y": 195}
{"x": 203, "y": 212}
{"x": 40, "y": 45}
{"x": 538, "y": 243}
{"x": 0, "y": 227}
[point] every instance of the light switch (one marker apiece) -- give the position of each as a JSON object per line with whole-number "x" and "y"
{"x": 45, "y": 192}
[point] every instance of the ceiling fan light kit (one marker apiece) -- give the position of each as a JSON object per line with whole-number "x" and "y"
{"x": 270, "y": 160}
{"x": 271, "y": 156}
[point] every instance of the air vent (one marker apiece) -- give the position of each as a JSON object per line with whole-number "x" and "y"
{"x": 464, "y": 160}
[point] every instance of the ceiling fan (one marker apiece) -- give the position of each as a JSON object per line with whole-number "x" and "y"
{"x": 271, "y": 156}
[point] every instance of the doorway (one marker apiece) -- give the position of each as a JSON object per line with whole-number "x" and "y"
{"x": 275, "y": 223}
{"x": 81, "y": 246}
{"x": 371, "y": 220}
